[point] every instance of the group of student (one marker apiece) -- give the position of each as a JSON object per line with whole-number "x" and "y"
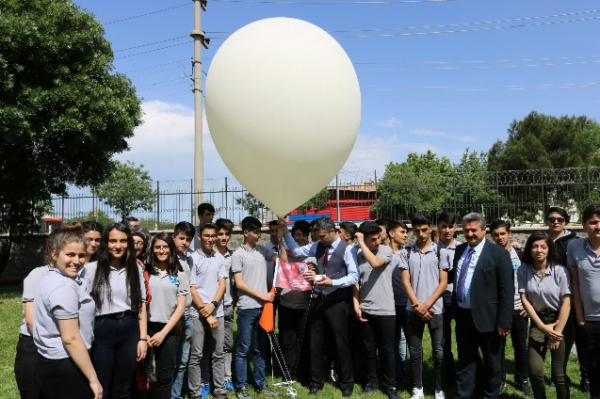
{"x": 116, "y": 309}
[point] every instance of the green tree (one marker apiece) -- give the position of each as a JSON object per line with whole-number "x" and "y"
{"x": 127, "y": 189}
{"x": 319, "y": 200}
{"x": 64, "y": 112}
{"x": 473, "y": 186}
{"x": 542, "y": 141}
{"x": 251, "y": 204}
{"x": 423, "y": 183}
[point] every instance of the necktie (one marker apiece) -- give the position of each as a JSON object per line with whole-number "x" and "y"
{"x": 460, "y": 286}
{"x": 326, "y": 256}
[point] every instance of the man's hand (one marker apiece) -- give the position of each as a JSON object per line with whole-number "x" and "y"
{"x": 309, "y": 275}
{"x": 523, "y": 313}
{"x": 503, "y": 332}
{"x": 360, "y": 237}
{"x": 358, "y": 313}
{"x": 268, "y": 297}
{"x": 324, "y": 282}
{"x": 207, "y": 310}
{"x": 213, "y": 322}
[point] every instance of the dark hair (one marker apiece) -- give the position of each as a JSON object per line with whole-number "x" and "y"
{"x": 369, "y": 228}
{"x": 207, "y": 226}
{"x": 382, "y": 222}
{"x": 185, "y": 228}
{"x": 205, "y": 206}
{"x": 174, "y": 266}
{"x": 540, "y": 236}
{"x": 251, "y": 223}
{"x": 313, "y": 224}
{"x": 224, "y": 224}
{"x": 273, "y": 223}
{"x": 303, "y": 226}
{"x": 325, "y": 224}
{"x": 145, "y": 236}
{"x": 349, "y": 227}
{"x": 394, "y": 224}
{"x": 92, "y": 225}
{"x": 449, "y": 218}
{"x": 560, "y": 211}
{"x": 63, "y": 235}
{"x": 589, "y": 212}
{"x": 499, "y": 223}
{"x": 101, "y": 279}
{"x": 420, "y": 219}
{"x": 129, "y": 219}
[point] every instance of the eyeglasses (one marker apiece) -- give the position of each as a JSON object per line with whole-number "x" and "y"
{"x": 556, "y": 220}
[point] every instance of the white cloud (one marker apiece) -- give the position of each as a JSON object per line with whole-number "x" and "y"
{"x": 443, "y": 135}
{"x": 390, "y": 123}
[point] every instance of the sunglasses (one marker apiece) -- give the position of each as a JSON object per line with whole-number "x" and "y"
{"x": 556, "y": 220}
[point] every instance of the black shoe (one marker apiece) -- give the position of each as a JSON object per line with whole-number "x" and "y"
{"x": 370, "y": 388}
{"x": 524, "y": 388}
{"x": 314, "y": 390}
{"x": 391, "y": 393}
{"x": 347, "y": 391}
{"x": 502, "y": 387}
{"x": 585, "y": 385}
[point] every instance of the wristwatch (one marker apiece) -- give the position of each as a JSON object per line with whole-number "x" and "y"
{"x": 215, "y": 304}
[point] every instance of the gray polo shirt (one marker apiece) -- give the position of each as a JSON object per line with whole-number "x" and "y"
{"x": 207, "y": 271}
{"x": 61, "y": 298}
{"x": 446, "y": 255}
{"x": 166, "y": 290}
{"x": 252, "y": 263}
{"x": 516, "y": 263}
{"x": 400, "y": 297}
{"x": 582, "y": 257}
{"x": 424, "y": 269}
{"x": 186, "y": 264}
{"x": 117, "y": 279}
{"x": 544, "y": 293}
{"x": 31, "y": 286}
{"x": 376, "y": 291}
{"x": 228, "y": 298}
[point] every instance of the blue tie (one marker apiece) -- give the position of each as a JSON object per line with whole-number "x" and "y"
{"x": 460, "y": 287}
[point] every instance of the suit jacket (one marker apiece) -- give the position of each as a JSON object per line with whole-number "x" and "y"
{"x": 492, "y": 287}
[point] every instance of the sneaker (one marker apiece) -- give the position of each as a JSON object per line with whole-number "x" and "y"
{"x": 391, "y": 393}
{"x": 417, "y": 393}
{"x": 370, "y": 388}
{"x": 439, "y": 395}
{"x": 205, "y": 391}
{"x": 266, "y": 392}
{"x": 585, "y": 385}
{"x": 524, "y": 388}
{"x": 229, "y": 386}
{"x": 243, "y": 394}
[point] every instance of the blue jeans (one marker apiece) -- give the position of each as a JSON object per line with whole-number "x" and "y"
{"x": 183, "y": 356}
{"x": 249, "y": 334}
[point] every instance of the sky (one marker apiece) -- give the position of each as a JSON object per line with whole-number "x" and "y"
{"x": 434, "y": 75}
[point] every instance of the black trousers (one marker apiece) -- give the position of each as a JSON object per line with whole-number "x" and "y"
{"x": 378, "y": 337}
{"x": 165, "y": 360}
{"x": 400, "y": 362}
{"x": 60, "y": 379}
{"x": 294, "y": 340}
{"x": 330, "y": 319}
{"x": 448, "y": 370}
{"x": 114, "y": 353}
{"x": 25, "y": 362}
{"x": 469, "y": 341}
{"x": 592, "y": 332}
{"x": 518, "y": 335}
{"x": 575, "y": 334}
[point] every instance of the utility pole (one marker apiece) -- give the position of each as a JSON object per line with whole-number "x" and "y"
{"x": 200, "y": 40}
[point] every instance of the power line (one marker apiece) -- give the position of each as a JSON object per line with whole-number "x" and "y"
{"x": 326, "y": 2}
{"x": 152, "y": 50}
{"x": 148, "y": 44}
{"x": 147, "y": 14}
{"x": 157, "y": 66}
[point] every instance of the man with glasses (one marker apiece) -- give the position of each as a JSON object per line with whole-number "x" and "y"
{"x": 557, "y": 220}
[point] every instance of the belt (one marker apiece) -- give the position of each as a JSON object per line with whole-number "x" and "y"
{"x": 118, "y": 315}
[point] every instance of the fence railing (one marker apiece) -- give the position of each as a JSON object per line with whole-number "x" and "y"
{"x": 520, "y": 195}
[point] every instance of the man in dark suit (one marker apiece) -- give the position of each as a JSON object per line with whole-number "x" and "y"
{"x": 483, "y": 293}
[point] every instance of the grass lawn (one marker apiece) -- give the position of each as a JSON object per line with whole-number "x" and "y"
{"x": 11, "y": 314}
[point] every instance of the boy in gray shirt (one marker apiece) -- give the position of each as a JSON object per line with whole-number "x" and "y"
{"x": 374, "y": 307}
{"x": 425, "y": 282}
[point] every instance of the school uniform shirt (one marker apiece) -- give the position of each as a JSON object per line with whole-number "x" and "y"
{"x": 61, "y": 298}
{"x": 581, "y": 256}
{"x": 400, "y": 298}
{"x": 166, "y": 290}
{"x": 252, "y": 263}
{"x": 31, "y": 286}
{"x": 228, "y": 297}
{"x": 207, "y": 271}
{"x": 117, "y": 279}
{"x": 424, "y": 268}
{"x": 516, "y": 263}
{"x": 446, "y": 255}
{"x": 545, "y": 292}
{"x": 376, "y": 293}
{"x": 186, "y": 264}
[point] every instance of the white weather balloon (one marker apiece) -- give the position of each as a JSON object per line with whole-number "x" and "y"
{"x": 283, "y": 106}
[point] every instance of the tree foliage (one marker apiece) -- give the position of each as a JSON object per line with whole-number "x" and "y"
{"x": 127, "y": 189}
{"x": 63, "y": 111}
{"x": 544, "y": 142}
{"x": 318, "y": 201}
{"x": 251, "y": 204}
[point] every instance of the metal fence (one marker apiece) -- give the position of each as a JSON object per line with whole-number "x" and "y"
{"x": 521, "y": 195}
